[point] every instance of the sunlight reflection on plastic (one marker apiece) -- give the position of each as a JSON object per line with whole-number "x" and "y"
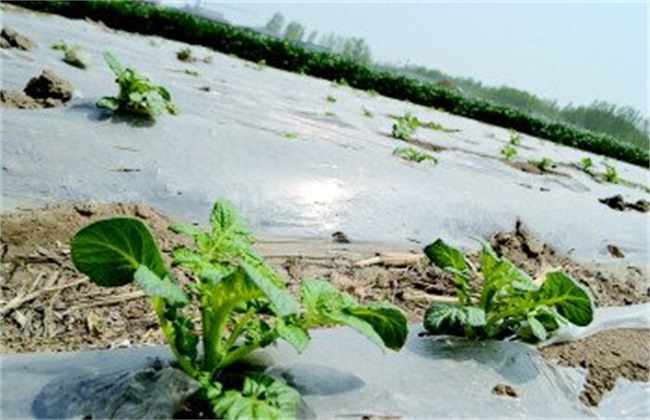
{"x": 321, "y": 200}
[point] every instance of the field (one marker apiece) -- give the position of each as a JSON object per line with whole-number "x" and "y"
{"x": 313, "y": 169}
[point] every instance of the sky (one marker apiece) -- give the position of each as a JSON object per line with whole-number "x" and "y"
{"x": 574, "y": 52}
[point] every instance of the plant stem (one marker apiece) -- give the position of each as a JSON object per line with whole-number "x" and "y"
{"x": 186, "y": 365}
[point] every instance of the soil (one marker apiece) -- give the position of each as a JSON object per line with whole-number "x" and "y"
{"x": 9, "y": 38}
{"x": 530, "y": 168}
{"x": 45, "y": 91}
{"x": 617, "y": 202}
{"x": 47, "y": 305}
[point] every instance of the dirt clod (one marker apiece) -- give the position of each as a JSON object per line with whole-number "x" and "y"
{"x": 615, "y": 251}
{"x": 504, "y": 390}
{"x": 617, "y": 202}
{"x": 45, "y": 91}
{"x": 9, "y": 38}
{"x": 49, "y": 86}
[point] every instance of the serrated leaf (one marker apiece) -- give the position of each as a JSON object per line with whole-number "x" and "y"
{"x": 226, "y": 222}
{"x": 443, "y": 318}
{"x": 569, "y": 299}
{"x": 474, "y": 317}
{"x": 262, "y": 397}
{"x": 320, "y": 298}
{"x": 282, "y": 300}
{"x": 110, "y": 251}
{"x": 447, "y": 257}
{"x": 164, "y": 288}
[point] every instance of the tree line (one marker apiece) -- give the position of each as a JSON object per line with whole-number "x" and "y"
{"x": 351, "y": 48}
{"x": 623, "y": 122}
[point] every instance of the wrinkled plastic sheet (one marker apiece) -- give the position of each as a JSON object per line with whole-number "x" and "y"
{"x": 338, "y": 174}
{"x": 341, "y": 374}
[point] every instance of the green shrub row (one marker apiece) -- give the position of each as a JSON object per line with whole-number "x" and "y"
{"x": 174, "y": 24}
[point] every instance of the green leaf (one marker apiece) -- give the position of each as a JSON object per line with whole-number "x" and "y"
{"x": 569, "y": 299}
{"x": 293, "y": 334}
{"x": 109, "y": 103}
{"x": 110, "y": 251}
{"x": 501, "y": 278}
{"x": 444, "y": 318}
{"x": 262, "y": 397}
{"x": 357, "y": 324}
{"x": 283, "y": 302}
{"x": 388, "y": 321}
{"x": 320, "y": 299}
{"x": 537, "y": 328}
{"x": 383, "y": 324}
{"x": 155, "y": 105}
{"x": 474, "y": 316}
{"x": 136, "y": 96}
{"x": 154, "y": 286}
{"x": 226, "y": 222}
{"x": 115, "y": 66}
{"x": 447, "y": 257}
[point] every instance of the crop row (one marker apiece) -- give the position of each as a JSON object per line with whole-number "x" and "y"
{"x": 170, "y": 23}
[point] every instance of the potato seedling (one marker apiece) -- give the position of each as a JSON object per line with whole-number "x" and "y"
{"x": 412, "y": 155}
{"x": 544, "y": 164}
{"x": 586, "y": 165}
{"x": 367, "y": 112}
{"x": 244, "y": 306}
{"x": 404, "y": 127}
{"x": 331, "y": 99}
{"x": 508, "y": 303}
{"x": 136, "y": 94}
{"x": 508, "y": 152}
{"x": 290, "y": 135}
{"x": 611, "y": 174}
{"x": 515, "y": 138}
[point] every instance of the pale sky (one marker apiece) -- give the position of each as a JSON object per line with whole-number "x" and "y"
{"x": 575, "y": 52}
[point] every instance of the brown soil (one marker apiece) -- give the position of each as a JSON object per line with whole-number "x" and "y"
{"x": 47, "y": 305}
{"x": 45, "y": 91}
{"x": 617, "y": 202}
{"x": 611, "y": 355}
{"x": 9, "y": 38}
{"x": 530, "y": 168}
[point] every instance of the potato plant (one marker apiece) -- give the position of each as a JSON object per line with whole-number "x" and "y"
{"x": 244, "y": 306}
{"x": 508, "y": 303}
{"x": 405, "y": 126}
{"x": 136, "y": 93}
{"x": 413, "y": 155}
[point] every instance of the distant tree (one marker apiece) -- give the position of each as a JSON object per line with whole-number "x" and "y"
{"x": 331, "y": 42}
{"x": 312, "y": 37}
{"x": 275, "y": 24}
{"x": 294, "y": 32}
{"x": 356, "y": 49}
{"x": 625, "y": 123}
